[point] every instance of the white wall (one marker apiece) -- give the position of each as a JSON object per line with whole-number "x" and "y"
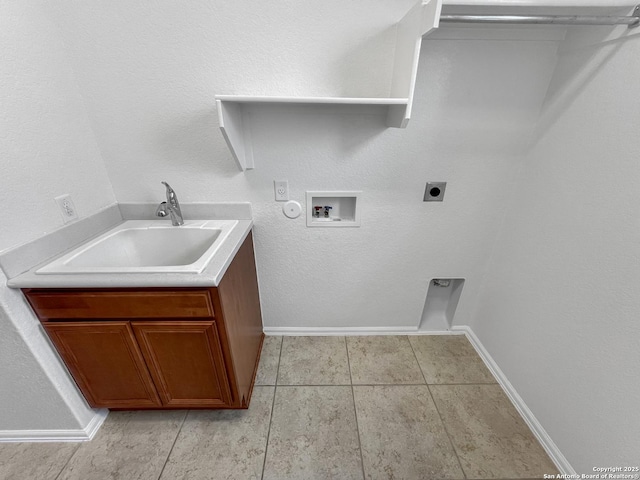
{"x": 37, "y": 394}
{"x": 150, "y": 75}
{"x": 559, "y": 307}
{"x": 46, "y": 142}
{"x": 47, "y": 148}
{"x": 134, "y": 85}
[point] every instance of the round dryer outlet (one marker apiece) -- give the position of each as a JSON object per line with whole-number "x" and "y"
{"x": 292, "y": 209}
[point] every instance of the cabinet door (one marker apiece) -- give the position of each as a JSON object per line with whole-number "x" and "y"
{"x": 186, "y": 363}
{"x": 105, "y": 362}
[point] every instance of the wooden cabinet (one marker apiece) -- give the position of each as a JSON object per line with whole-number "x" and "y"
{"x": 106, "y": 363}
{"x": 186, "y": 363}
{"x": 160, "y": 347}
{"x": 121, "y": 303}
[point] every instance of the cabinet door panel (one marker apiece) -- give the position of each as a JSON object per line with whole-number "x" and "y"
{"x": 106, "y": 363}
{"x": 186, "y": 363}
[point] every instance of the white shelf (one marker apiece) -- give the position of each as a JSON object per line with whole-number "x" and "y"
{"x": 419, "y": 21}
{"x": 237, "y": 131}
{"x": 313, "y": 100}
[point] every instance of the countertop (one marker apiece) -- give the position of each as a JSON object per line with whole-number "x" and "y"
{"x": 209, "y": 277}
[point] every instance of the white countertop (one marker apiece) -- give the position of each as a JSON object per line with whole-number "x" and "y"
{"x": 209, "y": 277}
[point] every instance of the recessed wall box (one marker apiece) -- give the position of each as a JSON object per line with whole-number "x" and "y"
{"x": 440, "y": 305}
{"x": 333, "y": 209}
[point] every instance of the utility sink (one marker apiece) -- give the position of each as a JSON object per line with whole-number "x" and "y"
{"x": 145, "y": 246}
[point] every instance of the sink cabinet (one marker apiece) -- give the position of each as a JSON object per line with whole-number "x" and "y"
{"x": 160, "y": 347}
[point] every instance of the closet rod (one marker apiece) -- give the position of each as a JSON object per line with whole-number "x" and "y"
{"x": 631, "y": 21}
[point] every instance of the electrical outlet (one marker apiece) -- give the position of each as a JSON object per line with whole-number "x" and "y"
{"x": 281, "y": 188}
{"x": 434, "y": 192}
{"x": 67, "y": 208}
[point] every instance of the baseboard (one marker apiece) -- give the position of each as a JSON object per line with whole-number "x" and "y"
{"x": 344, "y": 331}
{"x": 543, "y": 437}
{"x": 80, "y": 435}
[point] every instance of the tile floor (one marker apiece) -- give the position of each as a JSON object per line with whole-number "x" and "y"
{"x": 379, "y": 407}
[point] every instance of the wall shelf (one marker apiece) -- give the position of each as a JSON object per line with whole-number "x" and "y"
{"x": 419, "y": 21}
{"x": 236, "y": 129}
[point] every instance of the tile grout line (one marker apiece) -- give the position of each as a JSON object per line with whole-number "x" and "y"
{"x": 453, "y": 447}
{"x": 69, "y": 460}
{"x": 416, "y": 358}
{"x": 173, "y": 444}
{"x": 444, "y": 425}
{"x": 355, "y": 410}
{"x": 273, "y": 406}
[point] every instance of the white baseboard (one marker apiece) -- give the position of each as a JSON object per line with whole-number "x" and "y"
{"x": 80, "y": 435}
{"x": 344, "y": 331}
{"x": 536, "y": 427}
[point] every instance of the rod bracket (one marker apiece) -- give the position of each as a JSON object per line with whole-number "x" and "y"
{"x": 636, "y": 13}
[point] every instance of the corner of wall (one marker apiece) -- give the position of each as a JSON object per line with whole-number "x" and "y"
{"x": 33, "y": 370}
{"x": 518, "y": 402}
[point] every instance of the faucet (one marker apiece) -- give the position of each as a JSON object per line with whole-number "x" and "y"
{"x": 171, "y": 207}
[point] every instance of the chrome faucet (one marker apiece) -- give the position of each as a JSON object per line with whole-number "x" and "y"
{"x": 171, "y": 207}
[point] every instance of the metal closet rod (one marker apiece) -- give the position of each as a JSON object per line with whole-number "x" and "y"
{"x": 631, "y": 21}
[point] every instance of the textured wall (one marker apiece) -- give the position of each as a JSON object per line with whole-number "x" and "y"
{"x": 559, "y": 308}
{"x": 46, "y": 143}
{"x": 47, "y": 149}
{"x": 37, "y": 392}
{"x": 149, "y": 76}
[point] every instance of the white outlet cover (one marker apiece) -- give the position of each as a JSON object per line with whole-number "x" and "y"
{"x": 292, "y": 209}
{"x": 67, "y": 208}
{"x": 281, "y": 190}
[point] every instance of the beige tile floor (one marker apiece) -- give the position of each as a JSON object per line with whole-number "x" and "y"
{"x": 385, "y": 407}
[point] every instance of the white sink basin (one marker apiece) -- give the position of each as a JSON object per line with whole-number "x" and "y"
{"x": 143, "y": 246}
